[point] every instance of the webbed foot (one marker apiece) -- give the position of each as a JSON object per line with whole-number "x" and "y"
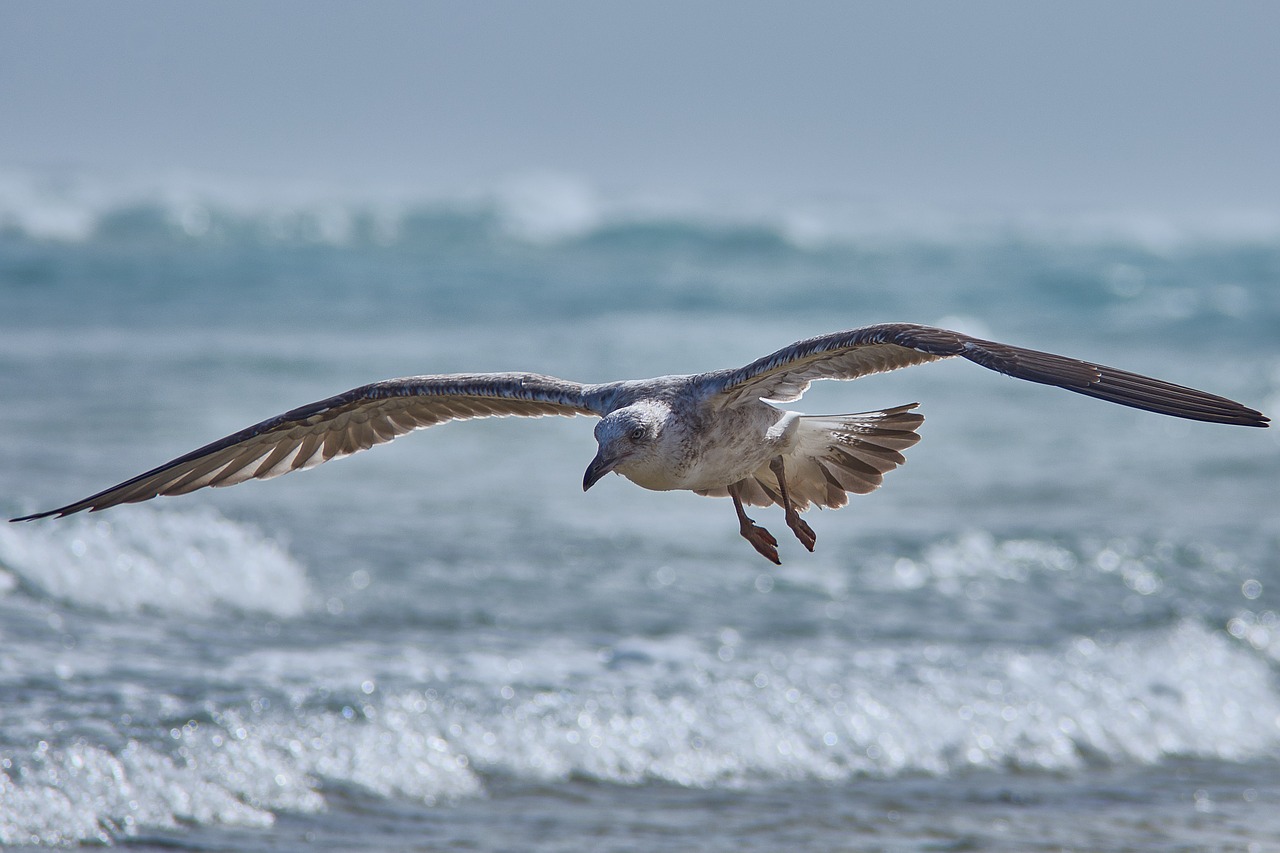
{"x": 762, "y": 540}
{"x": 802, "y": 530}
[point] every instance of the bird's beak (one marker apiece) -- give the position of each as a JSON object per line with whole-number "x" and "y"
{"x": 597, "y": 469}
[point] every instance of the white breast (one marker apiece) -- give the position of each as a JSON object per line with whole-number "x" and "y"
{"x": 719, "y": 450}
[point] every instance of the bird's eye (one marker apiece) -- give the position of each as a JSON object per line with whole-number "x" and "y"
{"x": 637, "y": 433}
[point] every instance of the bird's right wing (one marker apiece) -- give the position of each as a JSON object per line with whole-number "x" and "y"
{"x": 785, "y": 374}
{"x": 342, "y": 425}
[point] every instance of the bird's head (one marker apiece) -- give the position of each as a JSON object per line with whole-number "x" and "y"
{"x": 628, "y": 440}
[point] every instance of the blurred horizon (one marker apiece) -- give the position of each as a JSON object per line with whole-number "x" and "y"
{"x": 976, "y": 108}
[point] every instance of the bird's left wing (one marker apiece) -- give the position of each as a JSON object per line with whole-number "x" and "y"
{"x": 784, "y": 375}
{"x": 342, "y": 425}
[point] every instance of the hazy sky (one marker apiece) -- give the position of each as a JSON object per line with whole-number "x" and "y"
{"x": 1151, "y": 105}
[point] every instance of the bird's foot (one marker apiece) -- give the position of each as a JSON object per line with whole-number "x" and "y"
{"x": 763, "y": 541}
{"x": 802, "y": 530}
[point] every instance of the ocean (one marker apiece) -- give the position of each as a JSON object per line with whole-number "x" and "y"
{"x": 1055, "y": 628}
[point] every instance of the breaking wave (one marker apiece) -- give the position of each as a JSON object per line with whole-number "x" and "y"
{"x": 188, "y": 562}
{"x": 722, "y": 712}
{"x": 541, "y": 208}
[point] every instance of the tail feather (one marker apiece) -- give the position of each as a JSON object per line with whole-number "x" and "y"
{"x": 835, "y": 455}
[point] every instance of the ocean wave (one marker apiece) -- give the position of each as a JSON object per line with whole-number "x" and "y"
{"x": 165, "y": 256}
{"x": 188, "y": 562}
{"x": 738, "y": 714}
{"x": 729, "y": 713}
{"x": 541, "y": 209}
{"x": 83, "y": 793}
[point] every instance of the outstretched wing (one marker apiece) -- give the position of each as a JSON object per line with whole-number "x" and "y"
{"x": 342, "y": 425}
{"x": 786, "y": 374}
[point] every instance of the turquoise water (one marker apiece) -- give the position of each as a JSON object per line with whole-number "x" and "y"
{"x": 1054, "y": 628}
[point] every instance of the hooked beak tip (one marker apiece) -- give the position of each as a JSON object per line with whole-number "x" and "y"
{"x": 596, "y": 470}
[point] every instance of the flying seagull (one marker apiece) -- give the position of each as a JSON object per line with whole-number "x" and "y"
{"x": 715, "y": 434}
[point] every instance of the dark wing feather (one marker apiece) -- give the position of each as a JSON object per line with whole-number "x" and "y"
{"x": 345, "y": 424}
{"x": 786, "y": 374}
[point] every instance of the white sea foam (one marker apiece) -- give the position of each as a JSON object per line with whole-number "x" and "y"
{"x": 242, "y": 769}
{"x": 86, "y": 793}
{"x": 727, "y": 713}
{"x": 741, "y": 714}
{"x": 191, "y": 561}
{"x": 545, "y": 207}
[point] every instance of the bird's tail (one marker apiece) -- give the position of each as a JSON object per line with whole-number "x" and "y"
{"x": 835, "y": 455}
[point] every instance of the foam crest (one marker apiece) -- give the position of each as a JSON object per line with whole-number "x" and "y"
{"x": 193, "y": 562}
{"x": 728, "y": 713}
{"x": 540, "y": 207}
{"x": 743, "y": 714}
{"x": 679, "y": 711}
{"x": 241, "y": 768}
{"x": 82, "y": 793}
{"x": 544, "y": 208}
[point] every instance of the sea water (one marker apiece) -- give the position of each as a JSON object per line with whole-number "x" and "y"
{"x": 1054, "y": 628}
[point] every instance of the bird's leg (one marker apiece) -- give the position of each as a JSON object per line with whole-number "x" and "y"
{"x": 761, "y": 539}
{"x": 797, "y": 524}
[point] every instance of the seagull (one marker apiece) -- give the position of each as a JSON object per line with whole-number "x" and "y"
{"x": 717, "y": 434}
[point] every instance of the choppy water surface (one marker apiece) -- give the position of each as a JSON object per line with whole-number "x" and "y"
{"x": 1055, "y": 628}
